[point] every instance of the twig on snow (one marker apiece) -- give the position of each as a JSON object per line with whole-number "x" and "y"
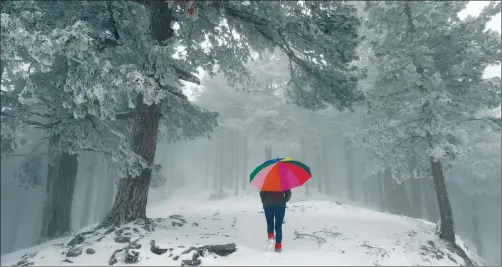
{"x": 319, "y": 239}
{"x": 383, "y": 251}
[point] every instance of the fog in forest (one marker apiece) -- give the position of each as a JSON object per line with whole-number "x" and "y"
{"x": 224, "y": 163}
{"x": 345, "y": 151}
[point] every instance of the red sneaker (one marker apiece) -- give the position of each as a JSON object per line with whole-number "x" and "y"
{"x": 278, "y": 247}
{"x": 271, "y": 236}
{"x": 270, "y": 241}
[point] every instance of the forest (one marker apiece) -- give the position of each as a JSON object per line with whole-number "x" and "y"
{"x": 109, "y": 107}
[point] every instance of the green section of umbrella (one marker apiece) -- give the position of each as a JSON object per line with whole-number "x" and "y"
{"x": 259, "y": 168}
{"x": 273, "y": 161}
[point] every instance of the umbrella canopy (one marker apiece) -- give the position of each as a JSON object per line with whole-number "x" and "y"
{"x": 280, "y": 174}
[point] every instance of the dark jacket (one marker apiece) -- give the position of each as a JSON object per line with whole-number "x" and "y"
{"x": 269, "y": 198}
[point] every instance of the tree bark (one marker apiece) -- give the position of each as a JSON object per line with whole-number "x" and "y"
{"x": 61, "y": 177}
{"x": 131, "y": 199}
{"x": 132, "y": 196}
{"x": 446, "y": 230}
{"x": 350, "y": 170}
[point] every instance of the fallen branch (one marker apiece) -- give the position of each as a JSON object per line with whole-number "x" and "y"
{"x": 328, "y": 233}
{"x": 319, "y": 239}
{"x": 383, "y": 251}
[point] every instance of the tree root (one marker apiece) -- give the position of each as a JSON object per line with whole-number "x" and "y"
{"x": 145, "y": 223}
{"x": 460, "y": 252}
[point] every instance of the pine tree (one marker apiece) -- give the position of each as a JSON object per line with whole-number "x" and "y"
{"x": 429, "y": 81}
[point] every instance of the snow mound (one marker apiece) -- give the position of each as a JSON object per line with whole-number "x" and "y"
{"x": 232, "y": 232}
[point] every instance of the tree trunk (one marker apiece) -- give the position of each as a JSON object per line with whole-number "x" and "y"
{"x": 206, "y": 170}
{"x": 231, "y": 160}
{"x": 326, "y": 176}
{"x": 416, "y": 199}
{"x": 132, "y": 196}
{"x": 268, "y": 152}
{"x": 381, "y": 192}
{"x": 350, "y": 170}
{"x": 108, "y": 197}
{"x": 61, "y": 177}
{"x": 319, "y": 173}
{"x": 416, "y": 194}
{"x": 446, "y": 230}
{"x": 245, "y": 181}
{"x": 302, "y": 151}
{"x": 431, "y": 205}
{"x": 104, "y": 200}
{"x": 215, "y": 171}
{"x": 236, "y": 164}
{"x": 365, "y": 189}
{"x": 388, "y": 189}
{"x": 475, "y": 226}
{"x": 397, "y": 201}
{"x": 400, "y": 200}
{"x": 221, "y": 173}
{"x": 88, "y": 192}
{"x": 169, "y": 185}
{"x": 216, "y": 166}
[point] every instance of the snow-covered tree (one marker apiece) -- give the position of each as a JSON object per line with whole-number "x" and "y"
{"x": 125, "y": 62}
{"x": 428, "y": 81}
{"x": 86, "y": 92}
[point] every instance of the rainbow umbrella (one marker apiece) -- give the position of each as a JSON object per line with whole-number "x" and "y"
{"x": 280, "y": 174}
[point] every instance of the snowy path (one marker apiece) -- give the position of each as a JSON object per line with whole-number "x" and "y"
{"x": 357, "y": 236}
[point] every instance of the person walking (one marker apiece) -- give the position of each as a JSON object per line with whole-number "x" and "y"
{"x": 274, "y": 207}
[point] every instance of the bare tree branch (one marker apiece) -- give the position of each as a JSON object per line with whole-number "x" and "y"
{"x": 35, "y": 124}
{"x": 98, "y": 151}
{"x": 185, "y": 75}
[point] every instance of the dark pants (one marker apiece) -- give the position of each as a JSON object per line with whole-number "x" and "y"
{"x": 277, "y": 213}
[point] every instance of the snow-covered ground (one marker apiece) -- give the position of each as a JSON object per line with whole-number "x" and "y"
{"x": 344, "y": 235}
